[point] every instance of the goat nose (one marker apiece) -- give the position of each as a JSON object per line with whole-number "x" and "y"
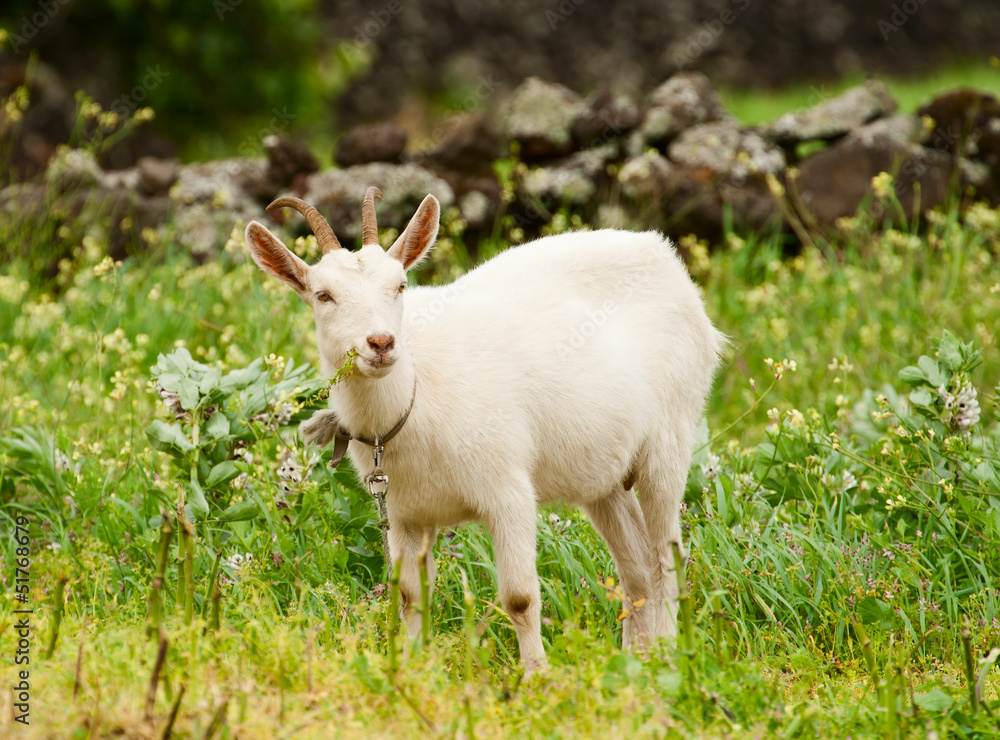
{"x": 381, "y": 342}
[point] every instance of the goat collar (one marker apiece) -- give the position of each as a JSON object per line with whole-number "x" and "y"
{"x": 383, "y": 438}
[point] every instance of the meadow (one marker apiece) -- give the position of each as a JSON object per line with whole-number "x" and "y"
{"x": 193, "y": 570}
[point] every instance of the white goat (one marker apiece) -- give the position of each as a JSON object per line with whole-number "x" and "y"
{"x": 565, "y": 369}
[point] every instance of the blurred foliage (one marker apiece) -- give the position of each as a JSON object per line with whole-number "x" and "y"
{"x": 237, "y": 65}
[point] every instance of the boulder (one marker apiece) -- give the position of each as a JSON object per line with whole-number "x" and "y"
{"x": 605, "y": 116}
{"x": 645, "y": 177}
{"x": 718, "y": 169}
{"x": 376, "y": 142}
{"x": 833, "y": 183}
{"x": 203, "y": 227}
{"x": 984, "y": 153}
{"x": 72, "y": 169}
{"x": 685, "y": 100}
{"x": 705, "y": 202}
{"x": 573, "y": 181}
{"x": 477, "y": 195}
{"x": 477, "y": 209}
{"x": 966, "y": 123}
{"x": 835, "y": 117}
{"x": 210, "y": 198}
{"x": 288, "y": 164}
{"x": 959, "y": 113}
{"x": 466, "y": 142}
{"x": 723, "y": 148}
{"x": 539, "y": 117}
{"x": 156, "y": 175}
{"x": 646, "y": 184}
{"x": 338, "y": 195}
{"x": 201, "y": 181}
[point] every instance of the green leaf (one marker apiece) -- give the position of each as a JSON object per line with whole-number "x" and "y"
{"x": 197, "y": 502}
{"x": 224, "y": 472}
{"x": 922, "y": 397}
{"x": 178, "y": 361}
{"x": 950, "y": 351}
{"x": 934, "y": 700}
{"x": 187, "y": 389}
{"x": 935, "y": 375}
{"x": 871, "y": 610}
{"x": 210, "y": 382}
{"x": 168, "y": 438}
{"x": 912, "y": 374}
{"x": 987, "y": 665}
{"x": 241, "y": 511}
{"x": 169, "y": 381}
{"x": 237, "y": 380}
{"x": 218, "y": 426}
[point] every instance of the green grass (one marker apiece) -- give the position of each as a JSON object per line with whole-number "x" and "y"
{"x": 755, "y": 106}
{"x": 786, "y": 556}
{"x": 841, "y": 526}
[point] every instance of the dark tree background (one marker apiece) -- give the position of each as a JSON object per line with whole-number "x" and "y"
{"x": 223, "y": 66}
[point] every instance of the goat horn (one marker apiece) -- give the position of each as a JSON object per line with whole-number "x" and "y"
{"x": 369, "y": 225}
{"x": 321, "y": 227}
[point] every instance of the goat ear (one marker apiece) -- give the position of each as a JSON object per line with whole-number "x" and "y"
{"x": 419, "y": 235}
{"x": 274, "y": 258}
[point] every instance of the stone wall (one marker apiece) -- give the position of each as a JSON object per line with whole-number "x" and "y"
{"x": 438, "y": 45}
{"x": 675, "y": 160}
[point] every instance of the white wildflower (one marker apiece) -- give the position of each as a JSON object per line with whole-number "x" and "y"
{"x": 711, "y": 466}
{"x": 62, "y": 462}
{"x": 243, "y": 454}
{"x": 558, "y": 524}
{"x": 966, "y": 407}
{"x": 962, "y": 408}
{"x": 277, "y": 414}
{"x": 172, "y": 401}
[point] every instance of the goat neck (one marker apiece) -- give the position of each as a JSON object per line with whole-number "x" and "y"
{"x": 371, "y": 406}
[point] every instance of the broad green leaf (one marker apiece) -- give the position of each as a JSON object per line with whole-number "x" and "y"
{"x": 239, "y": 512}
{"x": 168, "y": 437}
{"x": 168, "y": 381}
{"x": 210, "y": 382}
{"x": 187, "y": 389}
{"x": 935, "y": 375}
{"x": 922, "y": 397}
{"x": 179, "y": 361}
{"x": 222, "y": 473}
{"x": 934, "y": 700}
{"x": 950, "y": 351}
{"x": 237, "y": 380}
{"x": 197, "y": 502}
{"x": 871, "y": 610}
{"x": 987, "y": 665}
{"x": 218, "y": 426}
{"x": 912, "y": 374}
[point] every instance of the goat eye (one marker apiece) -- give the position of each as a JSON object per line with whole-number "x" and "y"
{"x": 401, "y": 288}
{"x": 324, "y": 297}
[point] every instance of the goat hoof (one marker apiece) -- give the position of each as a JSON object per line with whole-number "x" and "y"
{"x": 320, "y": 429}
